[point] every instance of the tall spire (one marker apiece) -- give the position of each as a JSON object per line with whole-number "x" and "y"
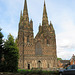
{"x": 45, "y": 18}
{"x": 25, "y": 12}
{"x": 25, "y": 6}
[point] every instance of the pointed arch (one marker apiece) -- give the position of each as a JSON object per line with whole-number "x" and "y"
{"x": 28, "y": 66}
{"x": 39, "y": 64}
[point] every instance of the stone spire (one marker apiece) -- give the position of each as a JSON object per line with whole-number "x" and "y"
{"x": 45, "y": 18}
{"x": 25, "y": 12}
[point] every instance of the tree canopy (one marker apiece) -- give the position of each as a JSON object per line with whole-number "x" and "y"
{"x": 11, "y": 54}
{"x": 59, "y": 58}
{"x": 1, "y": 44}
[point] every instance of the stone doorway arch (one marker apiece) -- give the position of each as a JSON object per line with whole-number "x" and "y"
{"x": 39, "y": 64}
{"x": 28, "y": 66}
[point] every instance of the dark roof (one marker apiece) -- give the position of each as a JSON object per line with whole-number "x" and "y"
{"x": 64, "y": 61}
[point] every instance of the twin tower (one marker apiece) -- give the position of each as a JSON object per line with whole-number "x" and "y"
{"x": 38, "y": 52}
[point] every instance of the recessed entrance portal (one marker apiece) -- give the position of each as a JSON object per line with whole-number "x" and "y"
{"x": 39, "y": 64}
{"x": 28, "y": 66}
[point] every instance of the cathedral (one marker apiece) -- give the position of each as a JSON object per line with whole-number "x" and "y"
{"x": 38, "y": 52}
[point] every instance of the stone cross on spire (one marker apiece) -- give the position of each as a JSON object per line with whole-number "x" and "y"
{"x": 45, "y": 18}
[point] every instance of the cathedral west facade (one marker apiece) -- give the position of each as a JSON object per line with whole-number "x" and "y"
{"x": 38, "y": 52}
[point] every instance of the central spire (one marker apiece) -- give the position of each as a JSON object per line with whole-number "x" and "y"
{"x": 25, "y": 12}
{"x": 45, "y": 18}
{"x": 25, "y": 6}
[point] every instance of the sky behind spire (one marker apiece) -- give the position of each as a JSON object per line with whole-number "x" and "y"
{"x": 60, "y": 12}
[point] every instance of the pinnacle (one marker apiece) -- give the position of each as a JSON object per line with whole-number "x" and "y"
{"x": 31, "y": 20}
{"x": 51, "y": 26}
{"x": 21, "y": 13}
{"x": 50, "y": 23}
{"x": 21, "y": 16}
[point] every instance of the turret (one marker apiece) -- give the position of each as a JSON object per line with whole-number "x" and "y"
{"x": 21, "y": 21}
{"x": 51, "y": 27}
{"x": 21, "y": 17}
{"x": 40, "y": 28}
{"x": 31, "y": 23}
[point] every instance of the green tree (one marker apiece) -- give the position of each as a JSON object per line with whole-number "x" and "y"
{"x": 11, "y": 54}
{"x": 1, "y": 50}
{"x": 1, "y": 44}
{"x": 59, "y": 58}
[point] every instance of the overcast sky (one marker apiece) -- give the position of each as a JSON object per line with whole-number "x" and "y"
{"x": 60, "y": 12}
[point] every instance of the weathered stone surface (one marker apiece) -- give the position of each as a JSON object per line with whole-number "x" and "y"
{"x": 38, "y": 52}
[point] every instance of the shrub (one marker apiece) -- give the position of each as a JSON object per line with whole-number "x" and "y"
{"x": 39, "y": 72}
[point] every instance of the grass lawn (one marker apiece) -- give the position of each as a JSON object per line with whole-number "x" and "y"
{"x": 23, "y": 71}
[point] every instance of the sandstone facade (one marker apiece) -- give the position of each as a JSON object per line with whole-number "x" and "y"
{"x": 38, "y": 52}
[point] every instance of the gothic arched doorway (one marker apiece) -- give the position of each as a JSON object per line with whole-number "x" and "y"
{"x": 39, "y": 64}
{"x": 28, "y": 66}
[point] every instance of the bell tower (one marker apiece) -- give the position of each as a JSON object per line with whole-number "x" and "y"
{"x": 25, "y": 35}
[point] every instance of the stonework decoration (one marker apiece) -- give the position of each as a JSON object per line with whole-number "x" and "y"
{"x": 38, "y": 52}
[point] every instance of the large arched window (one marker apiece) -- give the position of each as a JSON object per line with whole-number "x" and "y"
{"x": 27, "y": 38}
{"x": 38, "y": 49}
